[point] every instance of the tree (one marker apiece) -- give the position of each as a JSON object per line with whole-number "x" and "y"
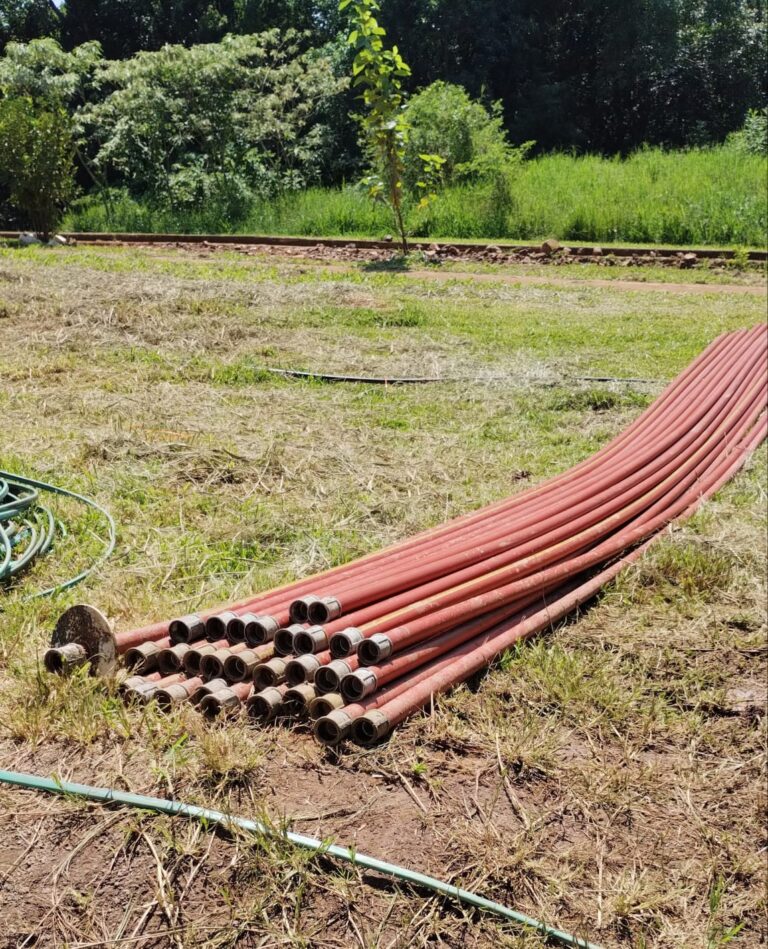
{"x": 37, "y": 160}
{"x": 23, "y": 20}
{"x": 379, "y": 73}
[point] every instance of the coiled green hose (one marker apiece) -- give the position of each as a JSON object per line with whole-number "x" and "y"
{"x": 212, "y": 818}
{"x": 28, "y": 528}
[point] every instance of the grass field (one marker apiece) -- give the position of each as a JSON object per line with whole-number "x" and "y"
{"x": 714, "y": 196}
{"x": 608, "y": 777}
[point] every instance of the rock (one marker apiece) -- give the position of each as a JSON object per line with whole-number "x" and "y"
{"x": 567, "y": 251}
{"x": 26, "y": 240}
{"x": 387, "y": 237}
{"x": 749, "y": 700}
{"x": 493, "y": 249}
{"x": 688, "y": 260}
{"x": 597, "y": 251}
{"x": 550, "y": 246}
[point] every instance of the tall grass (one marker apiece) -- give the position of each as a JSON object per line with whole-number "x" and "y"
{"x": 698, "y": 196}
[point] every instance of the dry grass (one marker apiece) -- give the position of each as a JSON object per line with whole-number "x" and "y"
{"x": 609, "y": 777}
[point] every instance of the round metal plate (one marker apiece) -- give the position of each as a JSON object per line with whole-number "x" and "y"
{"x": 88, "y": 626}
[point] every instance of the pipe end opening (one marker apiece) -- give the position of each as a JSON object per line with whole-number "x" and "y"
{"x": 298, "y": 611}
{"x": 235, "y": 669}
{"x": 352, "y": 688}
{"x": 318, "y": 613}
{"x": 236, "y": 630}
{"x": 215, "y": 628}
{"x": 326, "y": 680}
{"x": 364, "y": 732}
{"x": 284, "y": 641}
{"x": 211, "y": 668}
{"x": 53, "y": 661}
{"x": 327, "y": 731}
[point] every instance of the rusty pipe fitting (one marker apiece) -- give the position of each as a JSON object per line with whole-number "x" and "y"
{"x": 207, "y": 688}
{"x": 375, "y": 649}
{"x": 64, "y": 659}
{"x": 271, "y": 673}
{"x": 309, "y": 641}
{"x": 370, "y": 728}
{"x": 266, "y": 704}
{"x": 301, "y": 669}
{"x": 259, "y": 630}
{"x": 345, "y": 642}
{"x": 328, "y": 677}
{"x": 333, "y": 728}
{"x": 322, "y": 705}
{"x": 175, "y": 694}
{"x": 216, "y": 626}
{"x": 88, "y": 630}
{"x": 299, "y": 608}
{"x": 296, "y": 700}
{"x": 324, "y": 610}
{"x": 193, "y": 658}
{"x": 212, "y": 664}
{"x": 283, "y": 641}
{"x": 359, "y": 684}
{"x": 186, "y": 629}
{"x": 143, "y": 658}
{"x": 171, "y": 659}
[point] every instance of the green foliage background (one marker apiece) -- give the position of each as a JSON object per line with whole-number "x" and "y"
{"x": 554, "y": 118}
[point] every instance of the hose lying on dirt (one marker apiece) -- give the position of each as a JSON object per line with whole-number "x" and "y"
{"x": 213, "y": 818}
{"x": 28, "y": 528}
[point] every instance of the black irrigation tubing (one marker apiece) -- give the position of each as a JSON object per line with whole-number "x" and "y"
{"x": 592, "y": 249}
{"x": 28, "y": 528}
{"x": 420, "y": 380}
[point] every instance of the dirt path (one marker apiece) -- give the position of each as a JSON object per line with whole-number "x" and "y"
{"x": 342, "y": 260}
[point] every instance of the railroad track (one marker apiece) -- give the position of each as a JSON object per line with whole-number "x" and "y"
{"x": 588, "y": 251}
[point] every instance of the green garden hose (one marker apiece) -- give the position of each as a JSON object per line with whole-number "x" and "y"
{"x": 211, "y": 817}
{"x": 28, "y": 528}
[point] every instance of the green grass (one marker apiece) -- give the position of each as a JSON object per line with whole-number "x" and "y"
{"x": 599, "y": 777}
{"x": 709, "y": 196}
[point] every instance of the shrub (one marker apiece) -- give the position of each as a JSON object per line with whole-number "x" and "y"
{"x": 179, "y": 124}
{"x": 752, "y": 137}
{"x": 37, "y": 161}
{"x": 444, "y": 120}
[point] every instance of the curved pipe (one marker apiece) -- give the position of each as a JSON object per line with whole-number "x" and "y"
{"x": 437, "y": 534}
{"x": 470, "y": 657}
{"x": 575, "y": 511}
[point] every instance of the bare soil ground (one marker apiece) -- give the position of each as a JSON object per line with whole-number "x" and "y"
{"x": 609, "y": 777}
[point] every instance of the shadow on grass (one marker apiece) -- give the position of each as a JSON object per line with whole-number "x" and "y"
{"x": 398, "y": 263}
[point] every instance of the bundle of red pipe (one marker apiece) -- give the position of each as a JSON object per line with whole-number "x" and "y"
{"x": 364, "y": 645}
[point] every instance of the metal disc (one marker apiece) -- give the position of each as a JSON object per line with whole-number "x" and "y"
{"x": 90, "y": 628}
